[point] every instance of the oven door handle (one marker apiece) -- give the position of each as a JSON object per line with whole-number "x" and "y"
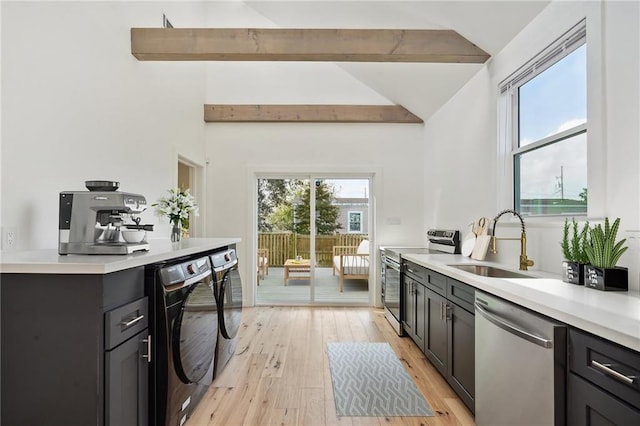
{"x": 392, "y": 266}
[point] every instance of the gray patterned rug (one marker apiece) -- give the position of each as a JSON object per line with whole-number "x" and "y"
{"x": 369, "y": 380}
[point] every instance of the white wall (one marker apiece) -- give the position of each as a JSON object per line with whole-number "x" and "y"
{"x": 465, "y": 128}
{"x": 76, "y": 105}
{"x": 237, "y": 152}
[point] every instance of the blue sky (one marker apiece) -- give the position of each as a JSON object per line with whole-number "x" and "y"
{"x": 350, "y": 188}
{"x": 554, "y": 101}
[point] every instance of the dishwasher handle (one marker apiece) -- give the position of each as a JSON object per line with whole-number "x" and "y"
{"x": 512, "y": 328}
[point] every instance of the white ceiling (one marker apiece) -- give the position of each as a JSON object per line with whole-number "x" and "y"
{"x": 422, "y": 88}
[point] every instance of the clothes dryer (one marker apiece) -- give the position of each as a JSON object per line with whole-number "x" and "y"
{"x": 229, "y": 297}
{"x": 185, "y": 333}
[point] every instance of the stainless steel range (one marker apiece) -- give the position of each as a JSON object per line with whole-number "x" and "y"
{"x": 440, "y": 241}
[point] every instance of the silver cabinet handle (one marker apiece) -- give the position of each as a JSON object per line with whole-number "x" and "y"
{"x": 148, "y": 342}
{"x": 132, "y": 321}
{"x": 513, "y": 329}
{"x": 441, "y": 310}
{"x": 411, "y": 270}
{"x": 605, "y": 368}
{"x": 447, "y": 311}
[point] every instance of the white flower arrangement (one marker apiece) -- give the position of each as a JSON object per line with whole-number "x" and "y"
{"x": 177, "y": 206}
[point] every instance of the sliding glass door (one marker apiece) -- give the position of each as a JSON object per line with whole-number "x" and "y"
{"x": 310, "y": 233}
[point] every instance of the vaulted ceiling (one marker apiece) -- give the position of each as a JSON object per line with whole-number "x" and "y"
{"x": 422, "y": 88}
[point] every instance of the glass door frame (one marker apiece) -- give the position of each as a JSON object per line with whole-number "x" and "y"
{"x": 313, "y": 177}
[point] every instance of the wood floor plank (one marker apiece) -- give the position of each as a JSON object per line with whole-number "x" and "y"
{"x": 313, "y": 373}
{"x": 253, "y": 322}
{"x": 283, "y": 417}
{"x": 312, "y": 412}
{"x": 343, "y": 327}
{"x": 288, "y": 393}
{"x": 280, "y": 374}
{"x": 367, "y": 318}
{"x": 460, "y": 412}
{"x": 258, "y": 411}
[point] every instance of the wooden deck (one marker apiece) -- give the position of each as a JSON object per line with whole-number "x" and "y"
{"x": 272, "y": 290}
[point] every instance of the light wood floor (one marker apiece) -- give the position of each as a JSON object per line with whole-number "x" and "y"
{"x": 280, "y": 373}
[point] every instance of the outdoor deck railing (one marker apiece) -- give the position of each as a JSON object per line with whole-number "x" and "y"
{"x": 285, "y": 245}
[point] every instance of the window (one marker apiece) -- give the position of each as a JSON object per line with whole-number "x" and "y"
{"x": 355, "y": 222}
{"x": 544, "y": 114}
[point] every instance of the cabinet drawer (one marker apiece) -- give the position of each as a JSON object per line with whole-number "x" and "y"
{"x": 436, "y": 282}
{"x": 125, "y": 322}
{"x": 587, "y": 404}
{"x": 461, "y": 294}
{"x": 609, "y": 365}
{"x": 417, "y": 272}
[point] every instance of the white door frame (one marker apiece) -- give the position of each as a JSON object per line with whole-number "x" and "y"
{"x": 374, "y": 174}
{"x": 197, "y": 188}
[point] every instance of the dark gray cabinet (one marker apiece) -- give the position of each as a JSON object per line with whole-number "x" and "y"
{"x": 68, "y": 357}
{"x": 439, "y": 318}
{"x": 461, "y": 354}
{"x": 436, "y": 346}
{"x": 413, "y": 322}
{"x": 126, "y": 382}
{"x": 127, "y": 344}
{"x": 408, "y": 307}
{"x": 604, "y": 382}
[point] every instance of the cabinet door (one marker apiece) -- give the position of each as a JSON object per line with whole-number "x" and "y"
{"x": 435, "y": 344}
{"x": 409, "y": 306}
{"x": 420, "y": 319}
{"x": 127, "y": 382}
{"x": 461, "y": 355}
{"x": 587, "y": 404}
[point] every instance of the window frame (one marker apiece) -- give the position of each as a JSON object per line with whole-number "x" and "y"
{"x": 508, "y": 107}
{"x": 349, "y": 214}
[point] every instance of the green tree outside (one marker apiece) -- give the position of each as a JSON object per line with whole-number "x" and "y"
{"x": 293, "y": 202}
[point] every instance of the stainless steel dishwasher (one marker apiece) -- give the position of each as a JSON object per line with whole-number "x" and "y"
{"x": 520, "y": 365}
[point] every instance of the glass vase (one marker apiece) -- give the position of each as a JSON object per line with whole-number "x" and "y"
{"x": 176, "y": 232}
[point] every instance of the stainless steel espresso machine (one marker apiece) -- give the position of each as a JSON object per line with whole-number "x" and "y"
{"x": 92, "y": 222}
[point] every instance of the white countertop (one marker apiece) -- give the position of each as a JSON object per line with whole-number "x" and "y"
{"x": 50, "y": 262}
{"x": 611, "y": 315}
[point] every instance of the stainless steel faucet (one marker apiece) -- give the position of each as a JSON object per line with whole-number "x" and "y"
{"x": 524, "y": 261}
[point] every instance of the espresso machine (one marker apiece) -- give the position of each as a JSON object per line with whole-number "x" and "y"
{"x": 93, "y": 221}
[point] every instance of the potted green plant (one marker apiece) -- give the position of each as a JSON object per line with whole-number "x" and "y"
{"x": 604, "y": 252}
{"x": 574, "y": 252}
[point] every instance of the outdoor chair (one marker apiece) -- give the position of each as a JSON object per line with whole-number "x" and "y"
{"x": 351, "y": 262}
{"x": 263, "y": 263}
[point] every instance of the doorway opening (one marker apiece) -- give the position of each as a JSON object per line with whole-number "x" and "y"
{"x": 321, "y": 261}
{"x": 190, "y": 178}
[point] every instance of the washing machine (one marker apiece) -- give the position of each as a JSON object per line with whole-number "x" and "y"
{"x": 185, "y": 333}
{"x": 228, "y": 290}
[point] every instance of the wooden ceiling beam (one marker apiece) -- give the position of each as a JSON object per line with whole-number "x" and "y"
{"x": 309, "y": 114}
{"x": 287, "y": 44}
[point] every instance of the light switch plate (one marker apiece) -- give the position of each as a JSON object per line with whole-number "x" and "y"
{"x": 393, "y": 221}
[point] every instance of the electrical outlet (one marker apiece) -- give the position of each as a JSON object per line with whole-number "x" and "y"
{"x": 9, "y": 238}
{"x": 633, "y": 239}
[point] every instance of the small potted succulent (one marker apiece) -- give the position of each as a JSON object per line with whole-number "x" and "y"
{"x": 604, "y": 252}
{"x": 574, "y": 252}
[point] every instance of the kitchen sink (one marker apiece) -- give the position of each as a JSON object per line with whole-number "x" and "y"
{"x": 489, "y": 271}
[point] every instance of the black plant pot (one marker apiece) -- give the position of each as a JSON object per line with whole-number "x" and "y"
{"x": 607, "y": 279}
{"x": 573, "y": 272}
